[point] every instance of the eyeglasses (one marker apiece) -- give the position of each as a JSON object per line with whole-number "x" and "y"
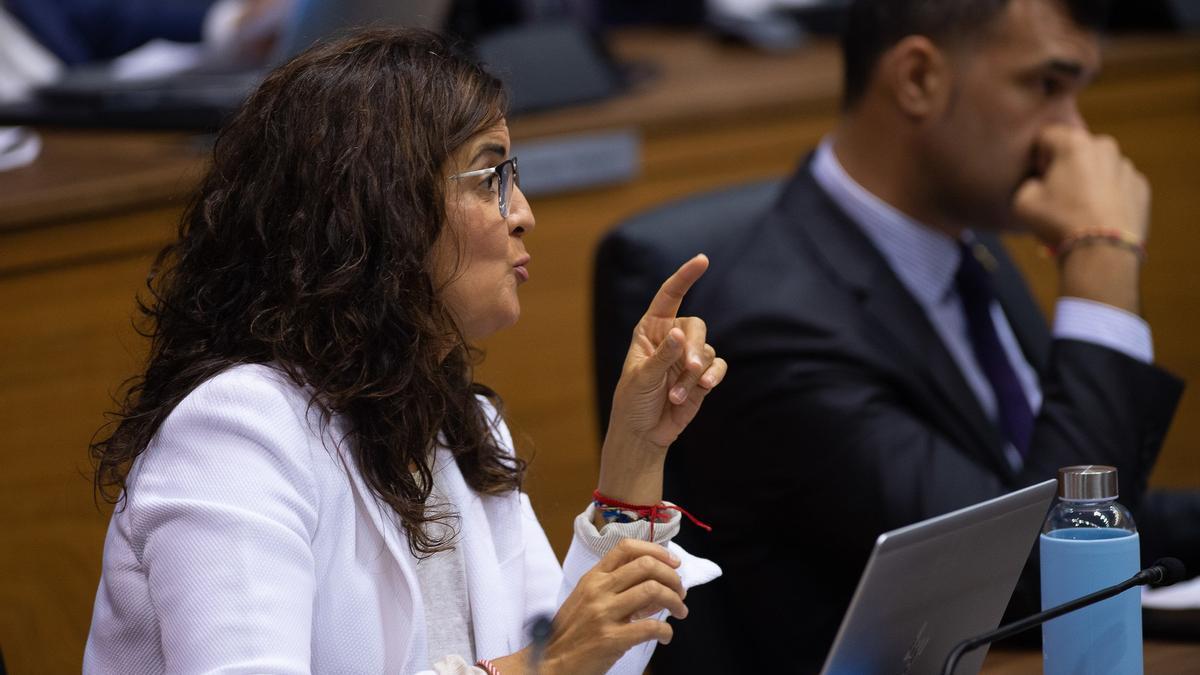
{"x": 505, "y": 176}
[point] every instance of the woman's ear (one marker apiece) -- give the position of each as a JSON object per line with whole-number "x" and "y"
{"x": 916, "y": 76}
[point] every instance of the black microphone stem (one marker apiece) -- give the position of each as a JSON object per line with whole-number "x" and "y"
{"x": 539, "y": 634}
{"x": 1035, "y": 620}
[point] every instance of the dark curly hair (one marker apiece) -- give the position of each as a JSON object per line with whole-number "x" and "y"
{"x": 308, "y": 247}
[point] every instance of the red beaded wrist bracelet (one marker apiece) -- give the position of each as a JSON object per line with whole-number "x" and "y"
{"x": 1113, "y": 236}
{"x": 488, "y": 667}
{"x": 651, "y": 512}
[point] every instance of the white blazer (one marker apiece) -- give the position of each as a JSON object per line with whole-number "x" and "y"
{"x": 249, "y": 543}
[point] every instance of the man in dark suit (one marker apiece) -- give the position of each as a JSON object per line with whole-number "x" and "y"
{"x": 887, "y": 363}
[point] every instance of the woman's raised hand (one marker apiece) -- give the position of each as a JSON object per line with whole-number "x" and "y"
{"x": 668, "y": 371}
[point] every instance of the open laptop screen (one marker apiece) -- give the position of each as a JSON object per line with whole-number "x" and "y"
{"x": 932, "y": 584}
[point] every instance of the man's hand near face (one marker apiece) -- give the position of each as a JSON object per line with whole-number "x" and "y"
{"x": 1088, "y": 186}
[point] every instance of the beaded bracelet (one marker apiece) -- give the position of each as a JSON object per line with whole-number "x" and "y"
{"x": 611, "y": 514}
{"x": 1119, "y": 238}
{"x": 612, "y": 510}
{"x": 487, "y": 666}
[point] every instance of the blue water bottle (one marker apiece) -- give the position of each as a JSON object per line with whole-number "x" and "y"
{"x": 1089, "y": 542}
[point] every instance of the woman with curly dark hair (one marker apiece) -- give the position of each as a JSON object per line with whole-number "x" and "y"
{"x": 307, "y": 476}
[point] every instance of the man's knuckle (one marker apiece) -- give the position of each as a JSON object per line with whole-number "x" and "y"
{"x": 609, "y": 637}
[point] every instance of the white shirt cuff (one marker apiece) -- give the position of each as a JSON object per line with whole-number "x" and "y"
{"x": 604, "y": 540}
{"x": 1104, "y": 325}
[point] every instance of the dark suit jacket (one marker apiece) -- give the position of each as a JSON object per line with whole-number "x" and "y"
{"x": 81, "y": 31}
{"x": 843, "y": 416}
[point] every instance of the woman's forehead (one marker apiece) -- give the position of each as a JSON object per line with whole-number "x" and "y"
{"x": 491, "y": 143}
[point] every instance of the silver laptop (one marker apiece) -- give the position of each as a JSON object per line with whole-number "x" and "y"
{"x": 930, "y": 585}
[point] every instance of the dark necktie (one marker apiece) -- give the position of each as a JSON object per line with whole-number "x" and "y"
{"x": 974, "y": 284}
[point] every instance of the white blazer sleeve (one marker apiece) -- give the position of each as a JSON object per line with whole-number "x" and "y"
{"x": 222, "y": 514}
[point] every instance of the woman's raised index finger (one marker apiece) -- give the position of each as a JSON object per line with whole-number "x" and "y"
{"x": 665, "y": 304}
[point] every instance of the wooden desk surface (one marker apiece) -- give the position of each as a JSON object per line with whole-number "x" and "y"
{"x": 78, "y": 230}
{"x": 1161, "y": 658}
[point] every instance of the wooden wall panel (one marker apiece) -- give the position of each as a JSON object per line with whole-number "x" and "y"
{"x": 66, "y": 343}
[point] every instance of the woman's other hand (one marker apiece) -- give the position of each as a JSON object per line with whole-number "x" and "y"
{"x": 667, "y": 373}
{"x": 606, "y": 613}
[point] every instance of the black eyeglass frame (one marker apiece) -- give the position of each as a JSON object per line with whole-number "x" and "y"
{"x": 507, "y": 173}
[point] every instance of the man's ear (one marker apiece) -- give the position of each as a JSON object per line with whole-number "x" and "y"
{"x": 915, "y": 76}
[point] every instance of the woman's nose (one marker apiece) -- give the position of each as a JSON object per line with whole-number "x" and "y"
{"x": 520, "y": 215}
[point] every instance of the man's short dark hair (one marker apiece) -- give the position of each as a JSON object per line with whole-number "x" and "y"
{"x": 873, "y": 26}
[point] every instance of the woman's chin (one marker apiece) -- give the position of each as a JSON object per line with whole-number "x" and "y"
{"x": 482, "y": 330}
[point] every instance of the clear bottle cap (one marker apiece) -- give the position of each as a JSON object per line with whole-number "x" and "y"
{"x": 1089, "y": 482}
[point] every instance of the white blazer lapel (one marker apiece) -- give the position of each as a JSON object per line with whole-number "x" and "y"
{"x": 495, "y": 613}
{"x": 413, "y": 622}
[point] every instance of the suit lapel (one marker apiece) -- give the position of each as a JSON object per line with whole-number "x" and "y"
{"x": 898, "y": 327}
{"x": 1024, "y": 316}
{"x": 901, "y": 322}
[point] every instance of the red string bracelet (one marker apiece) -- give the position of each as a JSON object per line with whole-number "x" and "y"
{"x": 488, "y": 667}
{"x": 653, "y": 513}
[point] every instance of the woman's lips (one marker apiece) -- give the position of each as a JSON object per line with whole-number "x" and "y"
{"x": 521, "y": 269}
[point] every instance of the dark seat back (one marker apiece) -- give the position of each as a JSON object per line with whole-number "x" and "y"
{"x": 635, "y": 258}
